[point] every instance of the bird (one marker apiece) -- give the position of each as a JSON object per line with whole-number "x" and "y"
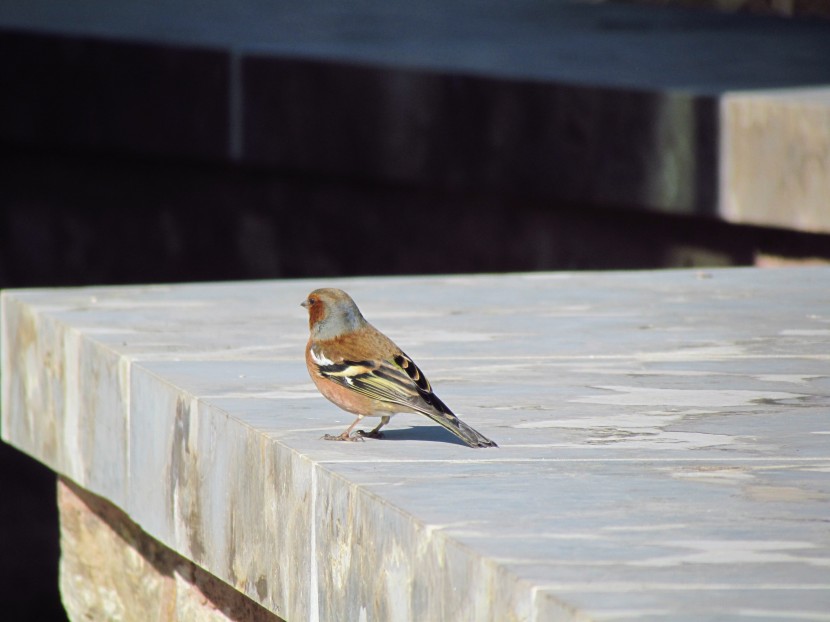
{"x": 361, "y": 370}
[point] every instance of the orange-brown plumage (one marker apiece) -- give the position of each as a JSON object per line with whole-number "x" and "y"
{"x": 362, "y": 371}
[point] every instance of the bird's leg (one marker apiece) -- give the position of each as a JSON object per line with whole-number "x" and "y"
{"x": 346, "y": 435}
{"x": 376, "y": 433}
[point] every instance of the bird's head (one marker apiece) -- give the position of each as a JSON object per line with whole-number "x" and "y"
{"x": 332, "y": 313}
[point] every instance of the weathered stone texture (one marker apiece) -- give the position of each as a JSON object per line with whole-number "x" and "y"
{"x": 662, "y": 435}
{"x": 776, "y": 158}
{"x": 112, "y": 570}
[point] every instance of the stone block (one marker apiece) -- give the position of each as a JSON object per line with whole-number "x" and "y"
{"x": 776, "y": 158}
{"x": 112, "y": 570}
{"x": 662, "y": 435}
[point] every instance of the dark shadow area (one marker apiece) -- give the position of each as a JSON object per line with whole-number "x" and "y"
{"x": 103, "y": 93}
{"x": 76, "y": 219}
{"x": 29, "y": 546}
{"x": 460, "y": 134}
{"x": 432, "y": 434}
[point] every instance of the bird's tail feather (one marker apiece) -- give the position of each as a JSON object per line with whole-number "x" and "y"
{"x": 469, "y": 435}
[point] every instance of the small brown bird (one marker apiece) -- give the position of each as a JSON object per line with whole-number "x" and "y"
{"x": 362, "y": 371}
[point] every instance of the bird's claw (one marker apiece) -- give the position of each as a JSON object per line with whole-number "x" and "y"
{"x": 370, "y": 434}
{"x": 342, "y": 437}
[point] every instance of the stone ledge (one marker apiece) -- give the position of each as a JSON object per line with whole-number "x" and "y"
{"x": 610, "y": 104}
{"x": 663, "y": 435}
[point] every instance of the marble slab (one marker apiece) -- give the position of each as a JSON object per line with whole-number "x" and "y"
{"x": 664, "y": 441}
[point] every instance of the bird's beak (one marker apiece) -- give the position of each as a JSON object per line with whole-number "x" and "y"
{"x": 304, "y": 303}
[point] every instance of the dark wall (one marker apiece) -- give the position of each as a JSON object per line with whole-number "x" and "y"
{"x": 75, "y": 218}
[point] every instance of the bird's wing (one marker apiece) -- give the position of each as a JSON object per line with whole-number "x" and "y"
{"x": 396, "y": 380}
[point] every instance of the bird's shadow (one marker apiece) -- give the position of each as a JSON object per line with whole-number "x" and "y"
{"x": 433, "y": 434}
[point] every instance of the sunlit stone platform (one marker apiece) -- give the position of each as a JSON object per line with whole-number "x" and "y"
{"x": 664, "y": 449}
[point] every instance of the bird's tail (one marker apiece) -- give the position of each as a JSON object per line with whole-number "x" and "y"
{"x": 469, "y": 435}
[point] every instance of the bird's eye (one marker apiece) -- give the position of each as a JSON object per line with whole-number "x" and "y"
{"x": 312, "y": 301}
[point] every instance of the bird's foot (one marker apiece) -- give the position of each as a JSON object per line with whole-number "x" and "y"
{"x": 342, "y": 437}
{"x": 370, "y": 434}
